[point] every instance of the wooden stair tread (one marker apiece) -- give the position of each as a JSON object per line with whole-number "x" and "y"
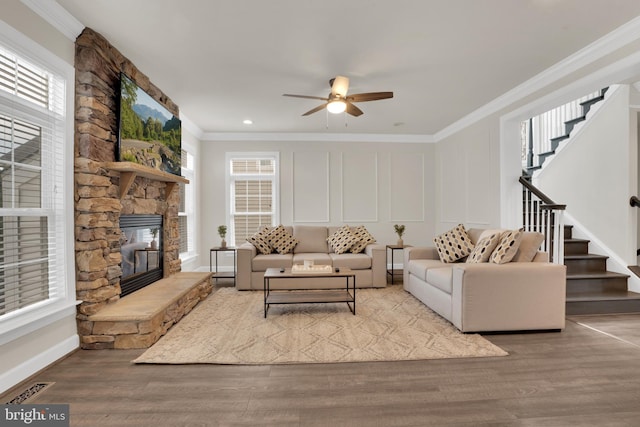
{"x": 599, "y": 275}
{"x": 603, "y": 296}
{"x": 574, "y": 240}
{"x": 585, "y": 256}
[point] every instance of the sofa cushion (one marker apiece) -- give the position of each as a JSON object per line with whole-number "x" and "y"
{"x": 352, "y": 261}
{"x": 483, "y": 249}
{"x": 310, "y": 239}
{"x": 364, "y": 238}
{"x": 507, "y": 248}
{"x": 342, "y": 240}
{"x": 529, "y": 246}
{"x": 453, "y": 245}
{"x": 261, "y": 241}
{"x": 281, "y": 240}
{"x": 319, "y": 258}
{"x": 419, "y": 267}
{"x": 441, "y": 278}
{"x": 262, "y": 262}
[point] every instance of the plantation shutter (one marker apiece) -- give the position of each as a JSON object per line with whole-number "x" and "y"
{"x": 253, "y": 196}
{"x": 32, "y": 126}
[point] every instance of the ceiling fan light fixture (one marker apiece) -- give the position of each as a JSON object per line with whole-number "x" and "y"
{"x": 337, "y": 106}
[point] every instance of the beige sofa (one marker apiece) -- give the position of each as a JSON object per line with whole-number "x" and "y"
{"x": 488, "y": 297}
{"x": 369, "y": 266}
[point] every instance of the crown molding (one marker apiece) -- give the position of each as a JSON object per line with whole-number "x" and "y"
{"x": 616, "y": 39}
{"x": 57, "y": 16}
{"x": 315, "y": 137}
{"x": 191, "y": 127}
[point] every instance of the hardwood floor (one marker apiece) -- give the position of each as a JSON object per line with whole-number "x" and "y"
{"x": 587, "y": 375}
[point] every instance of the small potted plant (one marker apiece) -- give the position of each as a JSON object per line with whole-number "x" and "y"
{"x": 222, "y": 231}
{"x": 154, "y": 233}
{"x": 399, "y": 229}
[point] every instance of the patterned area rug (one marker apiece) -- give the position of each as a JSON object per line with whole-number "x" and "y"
{"x": 229, "y": 328}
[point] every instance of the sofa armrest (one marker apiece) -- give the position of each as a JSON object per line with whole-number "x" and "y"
{"x": 420, "y": 252}
{"x": 246, "y": 253}
{"x": 378, "y": 254}
{"x": 512, "y": 296}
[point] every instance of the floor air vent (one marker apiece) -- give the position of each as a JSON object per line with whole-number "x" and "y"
{"x": 30, "y": 393}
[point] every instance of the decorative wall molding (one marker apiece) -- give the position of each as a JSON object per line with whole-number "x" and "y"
{"x": 315, "y": 137}
{"x": 358, "y": 194}
{"x": 410, "y": 188}
{"x": 314, "y": 168}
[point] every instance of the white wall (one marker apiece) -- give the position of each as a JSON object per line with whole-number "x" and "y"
{"x": 468, "y": 187}
{"x": 595, "y": 175}
{"x": 191, "y": 144}
{"x": 32, "y": 348}
{"x": 374, "y": 184}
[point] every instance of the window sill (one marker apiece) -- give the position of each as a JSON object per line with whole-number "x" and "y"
{"x": 37, "y": 317}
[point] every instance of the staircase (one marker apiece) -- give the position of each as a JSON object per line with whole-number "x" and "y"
{"x": 584, "y": 107}
{"x": 591, "y": 289}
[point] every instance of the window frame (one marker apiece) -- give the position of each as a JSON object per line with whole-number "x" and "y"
{"x": 189, "y": 203}
{"x": 62, "y": 300}
{"x": 229, "y": 179}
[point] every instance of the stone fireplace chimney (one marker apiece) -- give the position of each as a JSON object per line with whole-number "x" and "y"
{"x": 104, "y": 189}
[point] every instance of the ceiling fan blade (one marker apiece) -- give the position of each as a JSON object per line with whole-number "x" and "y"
{"x": 306, "y": 97}
{"x": 353, "y": 110}
{"x": 315, "y": 110}
{"x": 369, "y": 96}
{"x": 339, "y": 86}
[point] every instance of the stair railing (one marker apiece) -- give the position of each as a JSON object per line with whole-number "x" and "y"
{"x": 538, "y": 132}
{"x": 543, "y": 215}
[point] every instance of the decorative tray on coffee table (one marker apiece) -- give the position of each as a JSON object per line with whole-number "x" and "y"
{"x": 312, "y": 269}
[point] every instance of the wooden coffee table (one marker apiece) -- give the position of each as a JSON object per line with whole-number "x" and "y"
{"x": 303, "y": 295}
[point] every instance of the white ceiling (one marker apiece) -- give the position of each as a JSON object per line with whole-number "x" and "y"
{"x": 224, "y": 61}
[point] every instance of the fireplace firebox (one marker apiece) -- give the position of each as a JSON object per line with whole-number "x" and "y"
{"x": 142, "y": 251}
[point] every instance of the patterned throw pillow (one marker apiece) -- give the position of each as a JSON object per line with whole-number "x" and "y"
{"x": 484, "y": 248}
{"x": 507, "y": 248}
{"x": 342, "y": 240}
{"x": 281, "y": 240}
{"x": 365, "y": 238}
{"x": 453, "y": 245}
{"x": 261, "y": 241}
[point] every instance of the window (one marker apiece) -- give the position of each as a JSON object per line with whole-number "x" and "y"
{"x": 186, "y": 214}
{"x": 34, "y": 228}
{"x": 253, "y": 193}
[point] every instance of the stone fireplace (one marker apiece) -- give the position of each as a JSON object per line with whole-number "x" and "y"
{"x": 106, "y": 190}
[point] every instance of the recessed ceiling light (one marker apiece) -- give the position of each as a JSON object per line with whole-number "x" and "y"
{"x": 247, "y": 122}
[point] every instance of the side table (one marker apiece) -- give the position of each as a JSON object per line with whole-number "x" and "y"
{"x": 226, "y": 274}
{"x": 393, "y": 248}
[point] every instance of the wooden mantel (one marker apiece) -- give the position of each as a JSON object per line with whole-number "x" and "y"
{"x": 129, "y": 171}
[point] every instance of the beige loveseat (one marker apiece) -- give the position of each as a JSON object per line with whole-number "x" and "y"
{"x": 482, "y": 297}
{"x": 369, "y": 266}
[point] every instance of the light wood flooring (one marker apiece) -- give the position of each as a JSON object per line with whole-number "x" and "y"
{"x": 587, "y": 375}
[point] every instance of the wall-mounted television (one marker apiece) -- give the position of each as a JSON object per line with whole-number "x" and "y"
{"x": 149, "y": 134}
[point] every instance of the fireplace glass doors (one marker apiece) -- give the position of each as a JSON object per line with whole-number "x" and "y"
{"x": 141, "y": 250}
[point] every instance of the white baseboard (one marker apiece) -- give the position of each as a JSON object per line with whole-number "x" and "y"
{"x": 29, "y": 367}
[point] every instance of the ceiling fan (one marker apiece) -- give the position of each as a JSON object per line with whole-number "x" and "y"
{"x": 338, "y": 100}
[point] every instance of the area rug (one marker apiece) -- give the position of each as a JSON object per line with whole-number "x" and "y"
{"x": 390, "y": 324}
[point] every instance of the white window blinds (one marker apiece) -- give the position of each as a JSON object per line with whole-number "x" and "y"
{"x": 253, "y": 189}
{"x": 32, "y": 129}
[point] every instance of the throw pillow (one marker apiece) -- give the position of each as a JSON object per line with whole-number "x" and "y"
{"x": 484, "y": 248}
{"x": 364, "y": 238}
{"x": 507, "y": 248}
{"x": 281, "y": 240}
{"x": 453, "y": 245}
{"x": 342, "y": 240}
{"x": 529, "y": 246}
{"x": 261, "y": 241}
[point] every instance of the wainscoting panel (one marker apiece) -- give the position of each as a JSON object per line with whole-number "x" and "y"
{"x": 453, "y": 192}
{"x": 478, "y": 167}
{"x": 310, "y": 186}
{"x": 406, "y": 186}
{"x": 359, "y": 187}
